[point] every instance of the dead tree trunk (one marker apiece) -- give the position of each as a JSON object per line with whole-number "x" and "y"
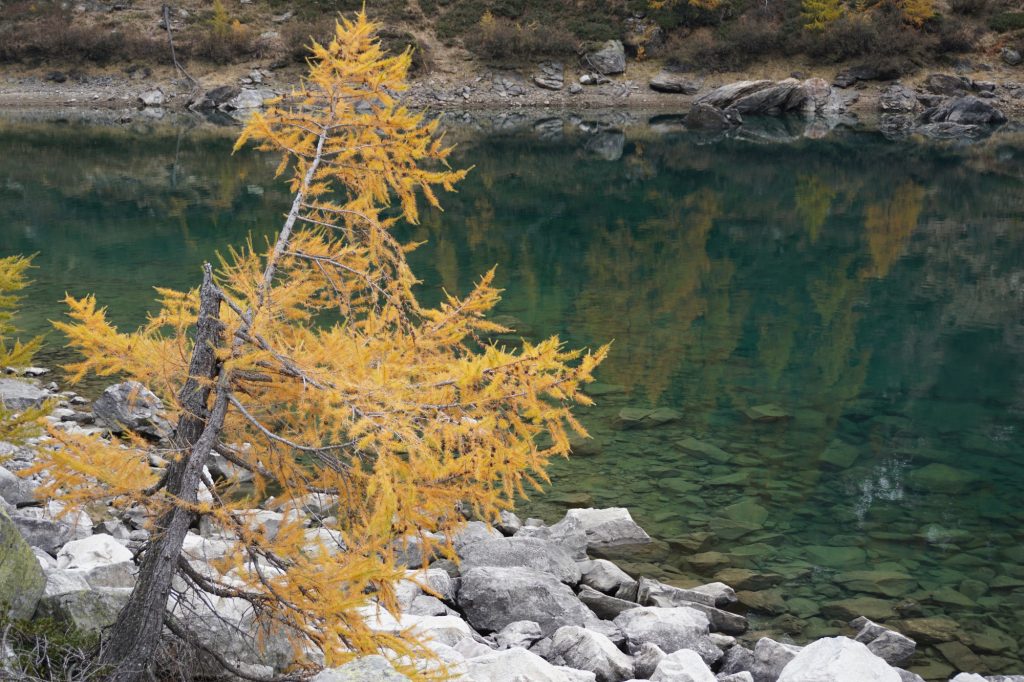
{"x": 132, "y": 640}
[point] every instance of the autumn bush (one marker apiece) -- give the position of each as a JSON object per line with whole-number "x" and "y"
{"x": 502, "y": 38}
{"x": 222, "y": 39}
{"x": 47, "y": 31}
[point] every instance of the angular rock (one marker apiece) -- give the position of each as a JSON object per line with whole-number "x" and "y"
{"x": 521, "y": 633}
{"x": 610, "y": 527}
{"x": 769, "y": 659}
{"x": 683, "y": 666}
{"x": 551, "y": 76}
{"x": 898, "y": 99}
{"x": 14, "y": 489}
{"x": 608, "y": 60}
{"x": 672, "y": 82}
{"x": 746, "y": 579}
{"x": 643, "y": 418}
{"x": 1011, "y": 57}
{"x": 492, "y": 597}
{"x": 152, "y": 98}
{"x": 248, "y": 98}
{"x": 16, "y": 394}
{"x": 603, "y": 605}
{"x": 763, "y": 97}
{"x": 767, "y": 412}
{"x": 967, "y": 110}
{"x": 133, "y": 407}
{"x": 670, "y": 628}
{"x": 946, "y": 84}
{"x": 215, "y": 97}
{"x": 46, "y": 529}
{"x": 837, "y": 659}
{"x": 533, "y": 553}
{"x": 603, "y": 575}
{"x": 651, "y": 592}
{"x": 95, "y": 551}
{"x": 720, "y": 593}
{"x": 21, "y": 577}
{"x": 567, "y": 533}
{"x": 584, "y": 649}
{"x": 646, "y": 660}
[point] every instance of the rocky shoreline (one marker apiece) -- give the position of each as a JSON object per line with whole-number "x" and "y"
{"x": 965, "y": 102}
{"x": 526, "y": 601}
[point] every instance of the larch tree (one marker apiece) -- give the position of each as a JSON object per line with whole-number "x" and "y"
{"x": 311, "y": 366}
{"x": 15, "y": 425}
{"x": 818, "y": 14}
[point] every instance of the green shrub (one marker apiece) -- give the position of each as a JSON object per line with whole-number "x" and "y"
{"x": 1007, "y": 21}
{"x": 45, "y": 649}
{"x": 500, "y": 38}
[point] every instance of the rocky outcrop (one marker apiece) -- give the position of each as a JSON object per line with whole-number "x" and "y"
{"x": 551, "y": 76}
{"x": 967, "y": 110}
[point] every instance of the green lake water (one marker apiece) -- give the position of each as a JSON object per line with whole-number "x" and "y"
{"x": 871, "y": 291}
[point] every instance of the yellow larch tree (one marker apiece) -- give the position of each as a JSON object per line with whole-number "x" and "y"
{"x": 310, "y": 365}
{"x": 818, "y": 14}
{"x": 15, "y": 425}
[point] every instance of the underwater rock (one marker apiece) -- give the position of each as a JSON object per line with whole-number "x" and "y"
{"x": 767, "y": 412}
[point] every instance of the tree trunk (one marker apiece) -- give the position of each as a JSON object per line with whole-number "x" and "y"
{"x": 132, "y": 640}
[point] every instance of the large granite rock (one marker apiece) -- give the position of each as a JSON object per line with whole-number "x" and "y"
{"x": 89, "y": 610}
{"x": 130, "y": 406}
{"x": 604, "y": 605}
{"x": 671, "y": 629}
{"x": 898, "y": 99}
{"x": 567, "y": 533}
{"x": 48, "y": 529}
{"x": 585, "y": 649}
{"x": 609, "y": 59}
{"x": 610, "y": 527}
{"x": 534, "y": 553}
{"x": 14, "y": 489}
{"x": 763, "y": 97}
{"x": 21, "y": 577}
{"x": 837, "y": 659}
{"x": 493, "y": 597}
{"x": 683, "y": 666}
{"x": 603, "y": 575}
{"x": 892, "y": 647}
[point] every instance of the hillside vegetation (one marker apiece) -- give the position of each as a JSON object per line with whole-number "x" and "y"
{"x": 704, "y": 35}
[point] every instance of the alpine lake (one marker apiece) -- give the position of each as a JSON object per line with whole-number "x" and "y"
{"x": 816, "y": 388}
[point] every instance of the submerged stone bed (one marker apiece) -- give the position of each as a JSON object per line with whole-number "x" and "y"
{"x": 527, "y": 601}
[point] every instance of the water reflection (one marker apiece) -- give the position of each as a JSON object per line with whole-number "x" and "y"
{"x": 871, "y": 291}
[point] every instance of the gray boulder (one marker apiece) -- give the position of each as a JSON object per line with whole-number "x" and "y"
{"x": 248, "y": 98}
{"x": 16, "y": 394}
{"x": 610, "y": 527}
{"x": 683, "y": 666}
{"x": 90, "y": 610}
{"x": 967, "y": 110}
{"x": 670, "y": 628}
{"x": 603, "y": 575}
{"x": 585, "y": 649}
{"x": 704, "y": 116}
{"x": 365, "y": 669}
{"x": 567, "y": 533}
{"x": 551, "y": 76}
{"x": 646, "y": 660}
{"x": 152, "y": 98}
{"x": 14, "y": 489}
{"x": 898, "y": 99}
{"x": 215, "y": 97}
{"x": 672, "y": 82}
{"x": 534, "y": 553}
{"x": 130, "y": 406}
{"x": 1011, "y": 57}
{"x": 653, "y": 593}
{"x": 609, "y": 59}
{"x": 604, "y": 605}
{"x": 946, "y": 84}
{"x": 762, "y": 97}
{"x": 493, "y": 597}
{"x": 21, "y": 577}
{"x": 722, "y": 594}
{"x": 521, "y": 633}
{"x": 47, "y": 529}
{"x": 770, "y": 658}
{"x": 837, "y": 659}
{"x": 742, "y": 676}
{"x": 890, "y": 646}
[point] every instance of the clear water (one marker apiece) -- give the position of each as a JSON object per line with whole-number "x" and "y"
{"x": 872, "y": 291}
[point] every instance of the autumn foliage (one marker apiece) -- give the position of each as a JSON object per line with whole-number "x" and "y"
{"x": 329, "y": 379}
{"x": 15, "y": 426}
